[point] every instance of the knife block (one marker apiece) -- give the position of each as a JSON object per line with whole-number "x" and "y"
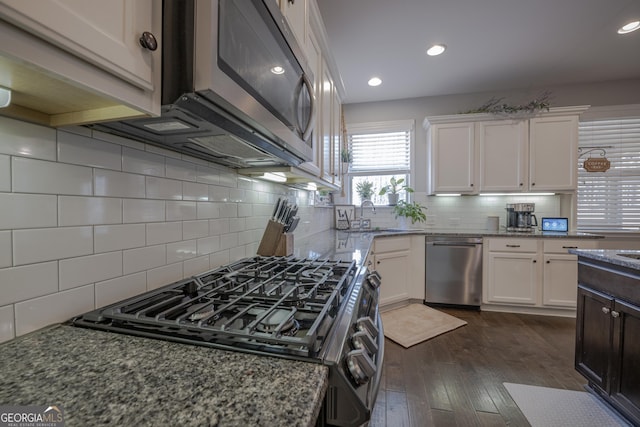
{"x": 285, "y": 245}
{"x": 275, "y": 241}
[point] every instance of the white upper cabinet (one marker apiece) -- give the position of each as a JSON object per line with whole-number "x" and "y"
{"x": 86, "y": 56}
{"x": 553, "y": 153}
{"x": 296, "y": 12}
{"x": 503, "y": 155}
{"x": 451, "y": 148}
{"x": 474, "y": 153}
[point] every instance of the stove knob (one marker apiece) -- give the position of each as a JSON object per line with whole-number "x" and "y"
{"x": 362, "y": 340}
{"x": 366, "y": 324}
{"x": 360, "y": 366}
{"x": 374, "y": 280}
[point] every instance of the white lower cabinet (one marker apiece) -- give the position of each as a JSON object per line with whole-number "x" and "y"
{"x": 400, "y": 262}
{"x": 532, "y": 272}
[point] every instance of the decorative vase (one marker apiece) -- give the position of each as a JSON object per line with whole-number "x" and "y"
{"x": 393, "y": 198}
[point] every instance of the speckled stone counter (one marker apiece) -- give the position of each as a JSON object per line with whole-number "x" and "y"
{"x": 623, "y": 258}
{"x": 103, "y": 378}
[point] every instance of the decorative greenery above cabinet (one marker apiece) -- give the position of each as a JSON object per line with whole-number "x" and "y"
{"x": 476, "y": 153}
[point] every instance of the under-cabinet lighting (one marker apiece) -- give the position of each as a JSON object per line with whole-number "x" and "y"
{"x": 311, "y": 186}
{"x": 5, "y": 97}
{"x": 517, "y": 194}
{"x": 448, "y": 195}
{"x": 274, "y": 176}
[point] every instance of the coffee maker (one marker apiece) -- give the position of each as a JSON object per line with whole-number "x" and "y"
{"x": 520, "y": 217}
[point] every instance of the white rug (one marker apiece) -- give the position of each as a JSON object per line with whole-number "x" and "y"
{"x": 414, "y": 323}
{"x": 552, "y": 407}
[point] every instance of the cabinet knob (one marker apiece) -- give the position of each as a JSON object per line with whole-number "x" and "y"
{"x": 615, "y": 314}
{"x": 548, "y": 262}
{"x": 533, "y": 183}
{"x": 606, "y": 310}
{"x": 378, "y": 262}
{"x": 292, "y": 1}
{"x": 148, "y": 41}
{"x": 521, "y": 184}
{"x": 472, "y": 185}
{"x": 535, "y": 260}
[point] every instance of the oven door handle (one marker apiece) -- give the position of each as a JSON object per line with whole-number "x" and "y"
{"x": 379, "y": 360}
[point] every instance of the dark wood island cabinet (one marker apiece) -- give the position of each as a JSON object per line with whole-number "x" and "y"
{"x": 608, "y": 328}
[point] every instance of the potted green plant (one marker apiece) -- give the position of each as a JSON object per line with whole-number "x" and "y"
{"x": 346, "y": 157}
{"x": 365, "y": 189}
{"x": 393, "y": 189}
{"x": 414, "y": 211}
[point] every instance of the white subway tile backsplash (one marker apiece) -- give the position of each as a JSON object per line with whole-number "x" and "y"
{"x": 118, "y": 184}
{"x": 83, "y": 150}
{"x": 236, "y": 224}
{"x": 207, "y": 175}
{"x": 164, "y": 275}
{"x": 5, "y": 173}
{"x": 219, "y": 259}
{"x": 55, "y": 308}
{"x": 164, "y": 232}
{"x": 109, "y": 238}
{"x": 142, "y": 162}
{"x": 46, "y": 244}
{"x": 218, "y": 193}
{"x": 229, "y": 210}
{"x": 29, "y": 281}
{"x": 162, "y": 188}
{"x": 27, "y": 210}
{"x": 207, "y": 245}
{"x": 194, "y": 266}
{"x": 80, "y": 271}
{"x": 41, "y": 176}
{"x": 109, "y": 137}
{"x": 179, "y": 169}
{"x": 135, "y": 260}
{"x": 115, "y": 290}
{"x": 239, "y": 253}
{"x": 75, "y": 210}
{"x": 181, "y": 211}
{"x": 5, "y": 249}
{"x": 195, "y": 191}
{"x": 236, "y": 195}
{"x": 228, "y": 241}
{"x": 246, "y": 209}
{"x": 139, "y": 210}
{"x": 206, "y": 210}
{"x": 229, "y": 179}
{"x": 7, "y": 323}
{"x": 181, "y": 251}
{"x": 168, "y": 154}
{"x": 219, "y": 226}
{"x": 18, "y": 138}
{"x": 195, "y": 229}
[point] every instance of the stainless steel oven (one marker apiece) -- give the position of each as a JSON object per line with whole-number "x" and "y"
{"x": 315, "y": 310}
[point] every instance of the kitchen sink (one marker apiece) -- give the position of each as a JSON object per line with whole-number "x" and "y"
{"x": 632, "y": 256}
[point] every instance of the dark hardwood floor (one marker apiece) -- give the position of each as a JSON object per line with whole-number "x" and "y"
{"x": 456, "y": 379}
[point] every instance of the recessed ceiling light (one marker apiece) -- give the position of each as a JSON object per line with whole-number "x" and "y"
{"x": 277, "y": 70}
{"x": 375, "y": 81}
{"x": 436, "y": 49}
{"x": 631, "y": 26}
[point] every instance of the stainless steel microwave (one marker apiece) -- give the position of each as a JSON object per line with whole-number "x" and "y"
{"x": 236, "y": 88}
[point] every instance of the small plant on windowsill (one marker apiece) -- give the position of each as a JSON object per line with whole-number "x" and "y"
{"x": 365, "y": 190}
{"x": 414, "y": 211}
{"x": 393, "y": 189}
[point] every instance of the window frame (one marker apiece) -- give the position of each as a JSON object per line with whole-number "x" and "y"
{"x": 382, "y": 127}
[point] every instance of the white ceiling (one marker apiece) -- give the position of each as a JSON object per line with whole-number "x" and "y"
{"x": 492, "y": 45}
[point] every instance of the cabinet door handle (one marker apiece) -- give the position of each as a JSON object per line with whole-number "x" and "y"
{"x": 513, "y": 246}
{"x": 569, "y": 247}
{"x": 606, "y": 310}
{"x": 615, "y": 314}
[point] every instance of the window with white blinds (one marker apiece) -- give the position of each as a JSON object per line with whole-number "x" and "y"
{"x": 379, "y": 151}
{"x": 610, "y": 200}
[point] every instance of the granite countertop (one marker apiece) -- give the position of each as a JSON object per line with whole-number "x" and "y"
{"x": 102, "y": 378}
{"x": 476, "y": 233}
{"x": 612, "y": 256}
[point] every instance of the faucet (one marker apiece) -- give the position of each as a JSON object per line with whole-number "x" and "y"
{"x": 373, "y": 209}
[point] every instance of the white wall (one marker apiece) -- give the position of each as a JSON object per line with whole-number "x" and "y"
{"x": 87, "y": 219}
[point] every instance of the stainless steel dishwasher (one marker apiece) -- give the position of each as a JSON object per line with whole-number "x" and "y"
{"x": 453, "y": 271}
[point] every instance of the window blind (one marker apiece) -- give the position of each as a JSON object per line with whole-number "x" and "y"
{"x": 378, "y": 149}
{"x": 610, "y": 200}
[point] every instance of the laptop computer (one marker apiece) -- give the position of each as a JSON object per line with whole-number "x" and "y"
{"x": 555, "y": 225}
